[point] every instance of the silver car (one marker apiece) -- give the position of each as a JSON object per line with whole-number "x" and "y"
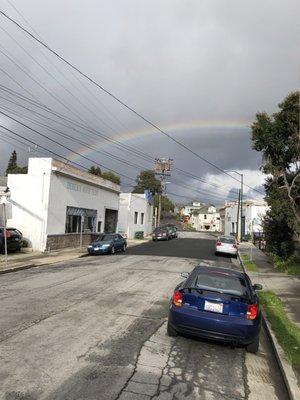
{"x": 227, "y": 245}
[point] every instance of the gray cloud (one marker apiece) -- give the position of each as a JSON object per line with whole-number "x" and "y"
{"x": 174, "y": 61}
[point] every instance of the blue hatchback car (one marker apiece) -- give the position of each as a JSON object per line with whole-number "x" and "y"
{"x": 217, "y": 303}
{"x": 107, "y": 243}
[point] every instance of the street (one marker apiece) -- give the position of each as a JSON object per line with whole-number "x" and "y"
{"x": 95, "y": 328}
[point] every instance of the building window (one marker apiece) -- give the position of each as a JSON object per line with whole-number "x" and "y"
{"x": 205, "y": 216}
{"x": 73, "y": 223}
{"x": 136, "y": 217}
{"x": 142, "y": 218}
{"x": 218, "y": 218}
{"x": 99, "y": 226}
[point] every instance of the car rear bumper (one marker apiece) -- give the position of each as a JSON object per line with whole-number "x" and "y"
{"x": 161, "y": 238}
{"x": 210, "y": 325}
{"x": 232, "y": 252}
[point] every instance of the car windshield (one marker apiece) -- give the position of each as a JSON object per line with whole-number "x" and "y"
{"x": 106, "y": 238}
{"x": 227, "y": 240}
{"x": 158, "y": 230}
{"x": 221, "y": 282}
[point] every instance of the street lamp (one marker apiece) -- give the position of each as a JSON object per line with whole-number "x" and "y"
{"x": 241, "y": 194}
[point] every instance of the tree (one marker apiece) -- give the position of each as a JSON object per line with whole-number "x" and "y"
{"x": 110, "y": 176}
{"x": 95, "y": 170}
{"x": 277, "y": 137}
{"x": 147, "y": 180}
{"x": 166, "y": 203}
{"x": 12, "y": 166}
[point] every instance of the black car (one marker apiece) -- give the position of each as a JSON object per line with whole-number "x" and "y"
{"x": 173, "y": 230}
{"x": 161, "y": 233}
{"x": 13, "y": 239}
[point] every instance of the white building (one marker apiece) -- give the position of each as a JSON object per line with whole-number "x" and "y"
{"x": 135, "y": 215}
{"x": 190, "y": 208}
{"x": 54, "y": 203}
{"x": 206, "y": 218}
{"x": 253, "y": 212}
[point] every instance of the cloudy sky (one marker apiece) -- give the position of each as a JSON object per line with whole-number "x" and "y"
{"x": 199, "y": 69}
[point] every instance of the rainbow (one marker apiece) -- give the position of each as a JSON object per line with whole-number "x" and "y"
{"x": 187, "y": 127}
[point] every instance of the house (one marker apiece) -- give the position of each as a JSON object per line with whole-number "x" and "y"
{"x": 206, "y": 218}
{"x": 56, "y": 205}
{"x": 253, "y": 212}
{"x": 187, "y": 210}
{"x": 135, "y": 214}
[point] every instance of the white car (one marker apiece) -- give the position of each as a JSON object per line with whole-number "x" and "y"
{"x": 227, "y": 245}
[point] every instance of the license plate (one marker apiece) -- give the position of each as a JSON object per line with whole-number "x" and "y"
{"x": 213, "y": 307}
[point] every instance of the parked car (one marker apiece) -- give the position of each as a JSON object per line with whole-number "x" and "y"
{"x": 161, "y": 233}
{"x": 217, "y": 303}
{"x": 226, "y": 245}
{"x": 108, "y": 243}
{"x": 173, "y": 231}
{"x": 13, "y": 239}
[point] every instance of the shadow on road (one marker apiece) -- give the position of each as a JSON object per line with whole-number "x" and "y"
{"x": 182, "y": 247}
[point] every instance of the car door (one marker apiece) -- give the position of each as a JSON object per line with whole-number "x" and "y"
{"x": 118, "y": 242}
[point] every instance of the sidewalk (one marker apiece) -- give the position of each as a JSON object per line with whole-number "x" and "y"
{"x": 286, "y": 287}
{"x": 29, "y": 259}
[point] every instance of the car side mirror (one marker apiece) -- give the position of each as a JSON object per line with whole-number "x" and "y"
{"x": 185, "y": 275}
{"x": 257, "y": 286}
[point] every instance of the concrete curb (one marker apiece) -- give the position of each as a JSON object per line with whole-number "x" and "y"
{"x": 286, "y": 369}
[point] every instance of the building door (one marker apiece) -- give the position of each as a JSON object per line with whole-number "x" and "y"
{"x": 111, "y": 219}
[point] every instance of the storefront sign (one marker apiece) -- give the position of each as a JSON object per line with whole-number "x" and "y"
{"x": 76, "y": 187}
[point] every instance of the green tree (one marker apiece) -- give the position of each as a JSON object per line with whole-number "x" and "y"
{"x": 147, "y": 180}
{"x": 110, "y": 176}
{"x": 95, "y": 170}
{"x": 166, "y": 203}
{"x": 12, "y": 166}
{"x": 277, "y": 137}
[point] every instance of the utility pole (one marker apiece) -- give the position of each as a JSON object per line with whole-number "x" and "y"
{"x": 237, "y": 217}
{"x": 242, "y": 184}
{"x": 4, "y": 202}
{"x": 162, "y": 168}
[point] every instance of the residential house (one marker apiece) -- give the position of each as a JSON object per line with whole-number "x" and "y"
{"x": 206, "y": 218}
{"x": 253, "y": 212}
{"x": 135, "y": 214}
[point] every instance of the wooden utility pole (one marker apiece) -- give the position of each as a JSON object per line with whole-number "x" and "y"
{"x": 237, "y": 217}
{"x": 162, "y": 168}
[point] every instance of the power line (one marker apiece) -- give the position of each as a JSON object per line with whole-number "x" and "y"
{"x": 65, "y": 147}
{"x": 42, "y": 43}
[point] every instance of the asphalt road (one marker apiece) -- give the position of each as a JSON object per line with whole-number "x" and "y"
{"x": 95, "y": 328}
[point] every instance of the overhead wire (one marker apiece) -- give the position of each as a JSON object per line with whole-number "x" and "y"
{"x": 156, "y": 127}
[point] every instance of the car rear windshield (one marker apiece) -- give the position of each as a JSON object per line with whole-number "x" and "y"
{"x": 159, "y": 230}
{"x": 221, "y": 282}
{"x": 227, "y": 240}
{"x": 107, "y": 238}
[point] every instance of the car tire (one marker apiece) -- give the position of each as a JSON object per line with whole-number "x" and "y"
{"x": 124, "y": 248}
{"x": 171, "y": 331}
{"x": 112, "y": 250}
{"x": 253, "y": 347}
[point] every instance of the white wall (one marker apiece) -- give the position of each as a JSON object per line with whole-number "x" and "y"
{"x": 129, "y": 204}
{"x": 29, "y": 198}
{"x": 40, "y": 198}
{"x": 65, "y": 191}
{"x": 253, "y": 214}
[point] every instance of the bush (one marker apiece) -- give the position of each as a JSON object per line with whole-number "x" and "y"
{"x": 139, "y": 235}
{"x": 290, "y": 265}
{"x": 189, "y": 227}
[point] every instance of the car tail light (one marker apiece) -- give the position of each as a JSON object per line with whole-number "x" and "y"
{"x": 252, "y": 311}
{"x": 219, "y": 244}
{"x": 177, "y": 299}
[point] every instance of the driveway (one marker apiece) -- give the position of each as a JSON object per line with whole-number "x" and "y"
{"x": 95, "y": 328}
